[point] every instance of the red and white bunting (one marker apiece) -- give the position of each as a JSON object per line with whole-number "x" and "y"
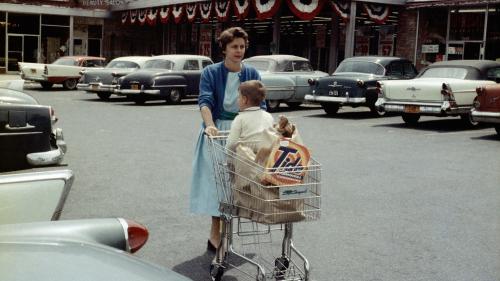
{"x": 142, "y": 17}
{"x": 133, "y": 16}
{"x": 379, "y": 13}
{"x": 206, "y": 11}
{"x": 222, "y": 9}
{"x": 164, "y": 13}
{"x": 341, "y": 8}
{"x": 125, "y": 16}
{"x": 151, "y": 16}
{"x": 241, "y": 8}
{"x": 305, "y": 9}
{"x": 266, "y": 8}
{"x": 177, "y": 12}
{"x": 191, "y": 11}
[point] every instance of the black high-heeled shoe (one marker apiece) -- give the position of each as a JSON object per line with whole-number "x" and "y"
{"x": 210, "y": 247}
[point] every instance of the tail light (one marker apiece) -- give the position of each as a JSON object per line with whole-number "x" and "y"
{"x": 53, "y": 117}
{"x": 360, "y": 83}
{"x": 137, "y": 235}
{"x": 447, "y": 93}
{"x": 45, "y": 70}
{"x": 311, "y": 81}
{"x": 476, "y": 104}
{"x": 378, "y": 89}
{"x": 480, "y": 90}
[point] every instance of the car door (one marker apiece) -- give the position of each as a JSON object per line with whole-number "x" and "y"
{"x": 192, "y": 73}
{"x": 302, "y": 71}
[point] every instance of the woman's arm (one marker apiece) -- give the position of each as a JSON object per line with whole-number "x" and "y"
{"x": 206, "y": 115}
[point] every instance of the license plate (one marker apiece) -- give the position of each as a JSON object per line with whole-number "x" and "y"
{"x": 134, "y": 87}
{"x": 33, "y": 70}
{"x": 95, "y": 87}
{"x": 412, "y": 109}
{"x": 334, "y": 93}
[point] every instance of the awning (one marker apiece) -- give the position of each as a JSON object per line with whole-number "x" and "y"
{"x": 414, "y": 4}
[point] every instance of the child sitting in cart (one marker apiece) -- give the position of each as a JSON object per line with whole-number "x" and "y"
{"x": 251, "y": 120}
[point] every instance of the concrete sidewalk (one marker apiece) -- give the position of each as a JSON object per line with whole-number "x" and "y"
{"x": 4, "y": 77}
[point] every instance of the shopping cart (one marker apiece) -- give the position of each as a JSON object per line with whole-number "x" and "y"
{"x": 252, "y": 213}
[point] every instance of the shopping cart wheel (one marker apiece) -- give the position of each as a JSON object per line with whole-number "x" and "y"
{"x": 216, "y": 272}
{"x": 280, "y": 266}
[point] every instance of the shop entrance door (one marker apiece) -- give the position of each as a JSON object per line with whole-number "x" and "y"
{"x": 21, "y": 48}
{"x": 465, "y": 50}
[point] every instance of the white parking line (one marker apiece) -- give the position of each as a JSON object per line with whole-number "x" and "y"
{"x": 460, "y": 133}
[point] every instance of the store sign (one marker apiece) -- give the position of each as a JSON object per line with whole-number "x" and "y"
{"x": 430, "y": 49}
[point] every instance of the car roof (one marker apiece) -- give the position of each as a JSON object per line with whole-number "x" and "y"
{"x": 377, "y": 59}
{"x": 133, "y": 58}
{"x": 278, "y": 58}
{"x": 479, "y": 64}
{"x": 180, "y": 56}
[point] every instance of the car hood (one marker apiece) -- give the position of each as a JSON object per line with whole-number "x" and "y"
{"x": 66, "y": 260}
{"x": 15, "y": 97}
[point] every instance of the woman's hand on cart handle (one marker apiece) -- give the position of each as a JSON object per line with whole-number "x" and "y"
{"x": 211, "y": 130}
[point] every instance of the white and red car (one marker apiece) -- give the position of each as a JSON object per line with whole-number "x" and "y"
{"x": 65, "y": 71}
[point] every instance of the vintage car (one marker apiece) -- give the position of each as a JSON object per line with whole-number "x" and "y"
{"x": 35, "y": 246}
{"x": 65, "y": 71}
{"x": 169, "y": 77}
{"x": 354, "y": 82}
{"x": 103, "y": 81}
{"x": 27, "y": 132}
{"x": 487, "y": 105}
{"x": 445, "y": 88}
{"x": 286, "y": 78}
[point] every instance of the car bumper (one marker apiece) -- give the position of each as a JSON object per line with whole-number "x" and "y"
{"x": 34, "y": 78}
{"x": 485, "y": 116}
{"x": 130, "y": 92}
{"x": 346, "y": 100}
{"x": 424, "y": 108}
{"x": 51, "y": 157}
{"x": 96, "y": 87}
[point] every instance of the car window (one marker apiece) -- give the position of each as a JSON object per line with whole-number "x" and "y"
{"x": 288, "y": 66}
{"x": 258, "y": 64}
{"x": 360, "y": 67}
{"x": 409, "y": 70}
{"x": 494, "y": 74}
{"x": 395, "y": 69}
{"x": 122, "y": 64}
{"x": 205, "y": 63}
{"x": 66, "y": 61}
{"x": 191, "y": 65}
{"x": 161, "y": 64}
{"x": 92, "y": 63}
{"x": 302, "y": 66}
{"x": 445, "y": 72}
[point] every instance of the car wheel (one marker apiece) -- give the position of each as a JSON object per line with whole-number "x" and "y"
{"x": 411, "y": 119}
{"x": 497, "y": 128}
{"x": 376, "y": 112}
{"x": 46, "y": 85}
{"x": 104, "y": 96}
{"x": 293, "y": 105}
{"x": 330, "y": 108}
{"x": 174, "y": 96}
{"x": 139, "y": 100}
{"x": 272, "y": 105}
{"x": 70, "y": 84}
{"x": 467, "y": 120}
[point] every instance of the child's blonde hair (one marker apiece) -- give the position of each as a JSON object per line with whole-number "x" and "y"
{"x": 254, "y": 90}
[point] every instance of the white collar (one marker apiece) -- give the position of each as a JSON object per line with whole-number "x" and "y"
{"x": 252, "y": 108}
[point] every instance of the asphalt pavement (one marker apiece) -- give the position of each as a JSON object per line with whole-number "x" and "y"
{"x": 398, "y": 203}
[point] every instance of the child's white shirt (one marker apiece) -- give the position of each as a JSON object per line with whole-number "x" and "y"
{"x": 248, "y": 126}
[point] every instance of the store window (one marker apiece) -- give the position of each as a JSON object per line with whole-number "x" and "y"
{"x": 55, "y": 36}
{"x": 432, "y": 30}
{"x": 3, "y": 25}
{"x": 493, "y": 34}
{"x": 467, "y": 24}
{"x": 23, "y": 24}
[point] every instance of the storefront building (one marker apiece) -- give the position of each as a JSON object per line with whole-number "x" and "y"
{"x": 320, "y": 30}
{"x": 42, "y": 31}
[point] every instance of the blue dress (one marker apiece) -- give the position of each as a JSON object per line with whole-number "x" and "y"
{"x": 204, "y": 198}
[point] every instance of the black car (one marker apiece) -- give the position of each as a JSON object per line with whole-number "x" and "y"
{"x": 27, "y": 135}
{"x": 354, "y": 82}
{"x": 103, "y": 81}
{"x": 169, "y": 77}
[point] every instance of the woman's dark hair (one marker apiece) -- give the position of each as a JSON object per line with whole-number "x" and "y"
{"x": 254, "y": 90}
{"x": 227, "y": 36}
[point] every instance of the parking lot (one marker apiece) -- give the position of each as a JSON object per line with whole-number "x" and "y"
{"x": 399, "y": 202}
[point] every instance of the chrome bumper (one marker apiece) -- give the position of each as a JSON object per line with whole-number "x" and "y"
{"x": 51, "y": 157}
{"x": 314, "y": 98}
{"x": 136, "y": 92}
{"x": 485, "y": 116}
{"x": 96, "y": 87}
{"x": 426, "y": 108}
{"x": 35, "y": 79}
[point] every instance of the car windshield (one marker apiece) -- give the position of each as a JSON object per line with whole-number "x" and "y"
{"x": 66, "y": 61}
{"x": 360, "y": 67}
{"x": 161, "y": 64}
{"x": 301, "y": 66}
{"x": 445, "y": 72}
{"x": 261, "y": 65}
{"x": 122, "y": 64}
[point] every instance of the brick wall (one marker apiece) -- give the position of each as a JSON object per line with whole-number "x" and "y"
{"x": 407, "y": 27}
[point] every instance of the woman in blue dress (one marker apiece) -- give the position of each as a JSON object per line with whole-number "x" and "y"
{"x": 218, "y": 102}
